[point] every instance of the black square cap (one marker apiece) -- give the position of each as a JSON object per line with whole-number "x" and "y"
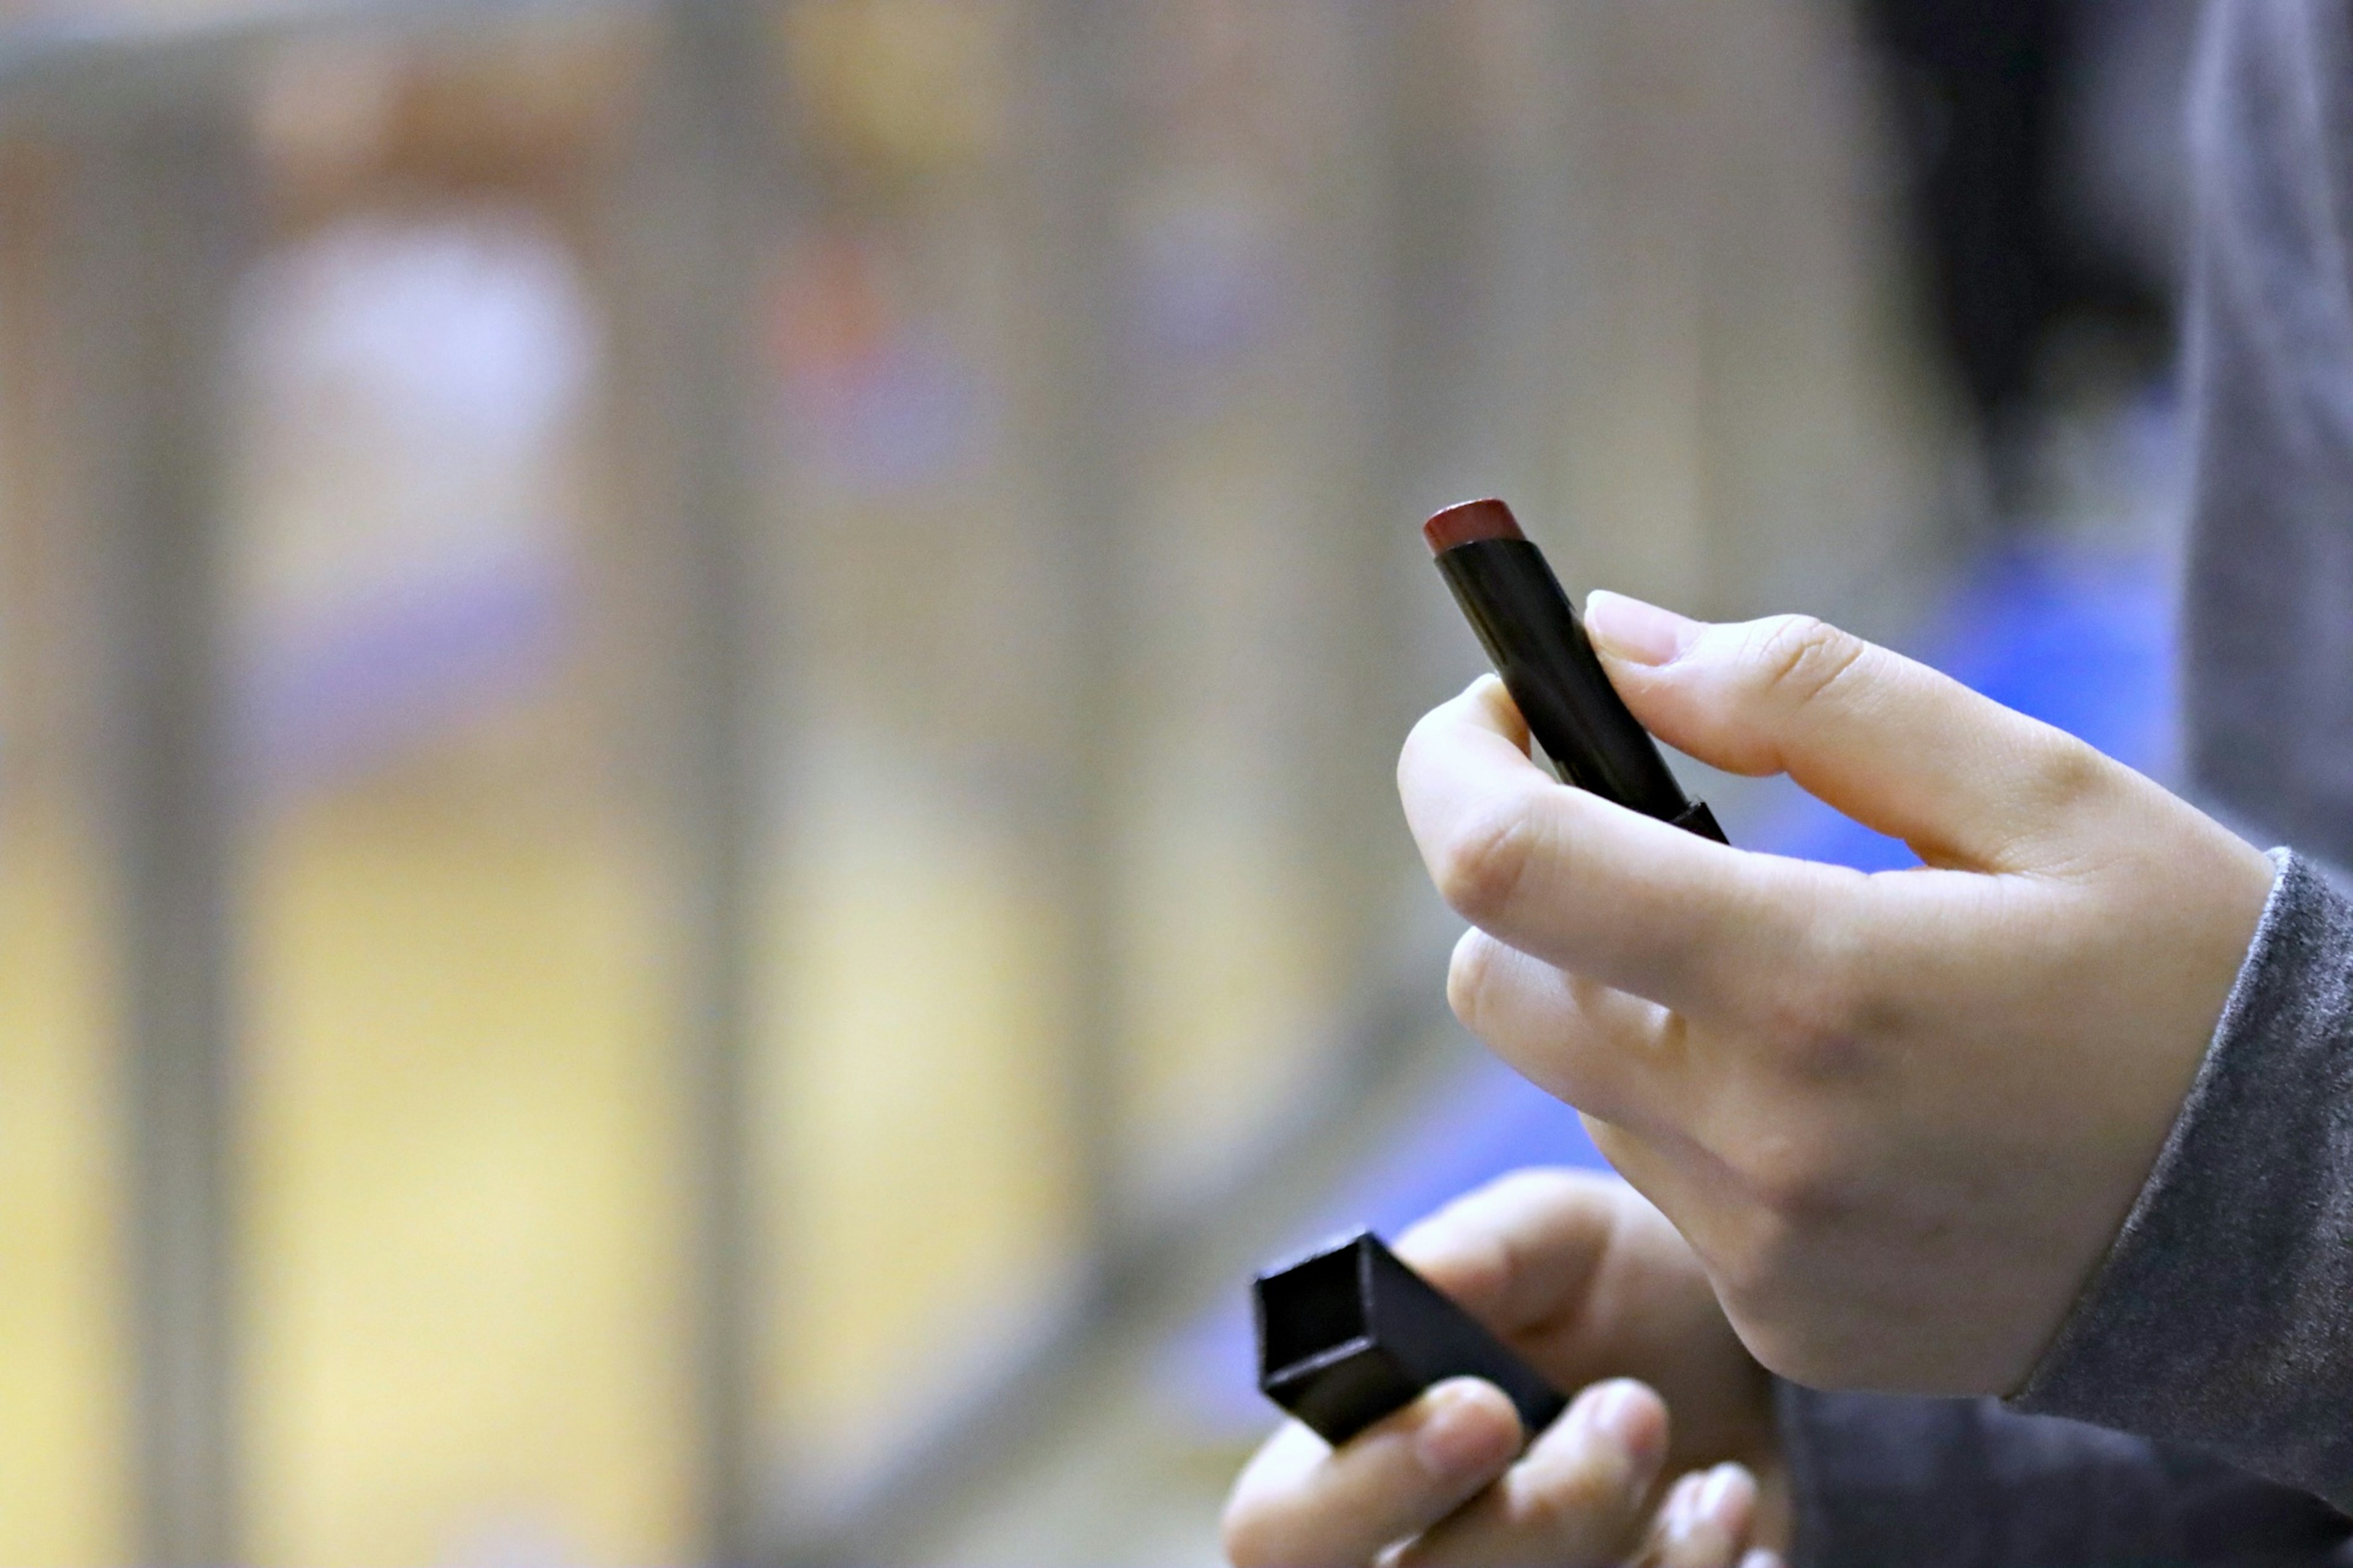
{"x": 1348, "y": 1335}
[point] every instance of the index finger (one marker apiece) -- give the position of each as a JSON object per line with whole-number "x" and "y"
{"x": 1569, "y": 878}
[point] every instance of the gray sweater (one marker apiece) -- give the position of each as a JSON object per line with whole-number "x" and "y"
{"x": 2213, "y": 1348}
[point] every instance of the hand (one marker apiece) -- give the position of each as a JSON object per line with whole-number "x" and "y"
{"x": 1899, "y": 1117}
{"x": 1586, "y": 1281}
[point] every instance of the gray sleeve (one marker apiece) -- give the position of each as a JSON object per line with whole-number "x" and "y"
{"x": 2223, "y": 1316}
{"x": 2267, "y": 616}
{"x": 1877, "y": 1480}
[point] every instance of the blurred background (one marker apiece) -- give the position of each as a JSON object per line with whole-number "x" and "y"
{"x": 697, "y": 697}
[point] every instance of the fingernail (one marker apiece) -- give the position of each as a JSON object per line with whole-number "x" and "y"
{"x": 1761, "y": 1557}
{"x": 1636, "y": 632}
{"x": 1679, "y": 1516}
{"x": 1716, "y": 1494}
{"x": 1625, "y": 1413}
{"x": 1459, "y": 1436}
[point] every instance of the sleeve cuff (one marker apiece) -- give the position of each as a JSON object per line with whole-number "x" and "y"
{"x": 2223, "y": 1316}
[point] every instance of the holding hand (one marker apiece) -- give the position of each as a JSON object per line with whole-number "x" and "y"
{"x": 1899, "y": 1117}
{"x": 1580, "y": 1276}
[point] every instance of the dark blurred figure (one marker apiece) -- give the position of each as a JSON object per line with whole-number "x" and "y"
{"x": 2013, "y": 116}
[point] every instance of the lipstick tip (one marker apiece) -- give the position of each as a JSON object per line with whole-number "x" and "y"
{"x": 1467, "y": 520}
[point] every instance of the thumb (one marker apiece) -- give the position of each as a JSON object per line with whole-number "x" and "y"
{"x": 1889, "y": 741}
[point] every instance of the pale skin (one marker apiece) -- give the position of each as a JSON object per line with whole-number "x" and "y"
{"x": 1591, "y": 1285}
{"x": 1892, "y": 1122}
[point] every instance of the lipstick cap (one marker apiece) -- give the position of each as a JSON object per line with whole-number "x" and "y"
{"x": 1349, "y": 1334}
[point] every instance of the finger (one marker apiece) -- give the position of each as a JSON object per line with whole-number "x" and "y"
{"x": 1607, "y": 1053}
{"x": 1889, "y": 741}
{"x": 1521, "y": 1251}
{"x": 1762, "y": 1557}
{"x": 1705, "y": 1522}
{"x": 1565, "y": 876}
{"x": 1576, "y": 1498}
{"x": 1303, "y": 1504}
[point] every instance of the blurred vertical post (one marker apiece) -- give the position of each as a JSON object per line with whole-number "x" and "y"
{"x": 699, "y": 213}
{"x": 1078, "y": 58}
{"x": 1412, "y": 221}
{"x": 163, "y": 224}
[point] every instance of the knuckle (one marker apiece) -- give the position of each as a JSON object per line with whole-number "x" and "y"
{"x": 1794, "y": 1185}
{"x": 1799, "y": 657}
{"x": 1812, "y": 1028}
{"x": 1479, "y": 870}
{"x": 1826, "y": 1014}
{"x": 2068, "y": 774}
{"x": 1468, "y": 975}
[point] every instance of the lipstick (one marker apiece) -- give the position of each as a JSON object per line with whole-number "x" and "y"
{"x": 1532, "y": 634}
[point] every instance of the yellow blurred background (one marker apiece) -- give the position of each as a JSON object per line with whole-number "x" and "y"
{"x": 796, "y": 613}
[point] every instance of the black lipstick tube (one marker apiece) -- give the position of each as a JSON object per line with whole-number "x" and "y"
{"x": 1515, "y": 605}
